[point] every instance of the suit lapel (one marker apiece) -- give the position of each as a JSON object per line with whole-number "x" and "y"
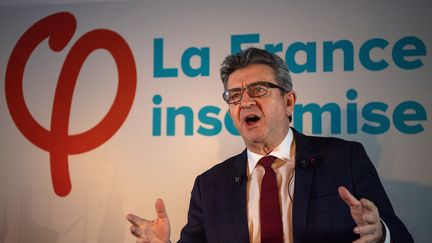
{"x": 302, "y": 186}
{"x": 238, "y": 192}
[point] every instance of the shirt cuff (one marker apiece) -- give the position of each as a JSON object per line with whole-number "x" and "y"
{"x": 387, "y": 232}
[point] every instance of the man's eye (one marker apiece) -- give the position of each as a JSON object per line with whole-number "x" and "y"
{"x": 259, "y": 90}
{"x": 235, "y": 96}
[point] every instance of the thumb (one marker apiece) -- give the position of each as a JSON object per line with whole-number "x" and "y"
{"x": 348, "y": 198}
{"x": 160, "y": 209}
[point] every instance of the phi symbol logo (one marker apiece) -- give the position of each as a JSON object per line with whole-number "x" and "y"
{"x": 59, "y": 29}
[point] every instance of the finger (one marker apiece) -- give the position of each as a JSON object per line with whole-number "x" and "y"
{"x": 365, "y": 229}
{"x": 136, "y": 231}
{"x": 368, "y": 238}
{"x": 364, "y": 239}
{"x": 135, "y": 220}
{"x": 371, "y": 214}
{"x": 160, "y": 209}
{"x": 348, "y": 198}
{"x": 368, "y": 204}
{"x": 356, "y": 241}
{"x": 371, "y": 218}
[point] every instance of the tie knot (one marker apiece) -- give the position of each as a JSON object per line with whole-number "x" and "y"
{"x": 267, "y": 161}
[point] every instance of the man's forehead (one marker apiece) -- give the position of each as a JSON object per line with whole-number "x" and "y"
{"x": 251, "y": 74}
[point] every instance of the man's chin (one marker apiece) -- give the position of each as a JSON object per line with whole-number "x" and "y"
{"x": 253, "y": 139}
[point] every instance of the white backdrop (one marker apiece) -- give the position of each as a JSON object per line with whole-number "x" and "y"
{"x": 138, "y": 164}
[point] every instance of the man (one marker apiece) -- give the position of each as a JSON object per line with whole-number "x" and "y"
{"x": 285, "y": 187}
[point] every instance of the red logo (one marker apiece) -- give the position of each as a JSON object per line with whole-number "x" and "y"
{"x": 59, "y": 28}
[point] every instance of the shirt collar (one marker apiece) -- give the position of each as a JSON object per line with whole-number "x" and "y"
{"x": 282, "y": 151}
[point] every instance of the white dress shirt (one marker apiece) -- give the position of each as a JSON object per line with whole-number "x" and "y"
{"x": 284, "y": 169}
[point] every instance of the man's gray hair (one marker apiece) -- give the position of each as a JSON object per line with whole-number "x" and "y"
{"x": 254, "y": 55}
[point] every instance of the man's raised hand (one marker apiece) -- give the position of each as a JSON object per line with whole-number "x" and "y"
{"x": 151, "y": 231}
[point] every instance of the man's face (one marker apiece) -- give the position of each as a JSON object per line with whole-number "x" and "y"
{"x": 262, "y": 122}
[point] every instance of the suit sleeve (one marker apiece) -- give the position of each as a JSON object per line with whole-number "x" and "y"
{"x": 193, "y": 231}
{"x": 367, "y": 185}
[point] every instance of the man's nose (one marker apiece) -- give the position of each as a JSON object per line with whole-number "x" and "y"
{"x": 246, "y": 100}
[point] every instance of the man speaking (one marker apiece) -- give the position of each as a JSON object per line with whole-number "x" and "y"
{"x": 285, "y": 186}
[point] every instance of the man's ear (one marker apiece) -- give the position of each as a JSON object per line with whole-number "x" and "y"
{"x": 291, "y": 98}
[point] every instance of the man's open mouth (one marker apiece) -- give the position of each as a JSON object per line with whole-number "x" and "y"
{"x": 252, "y": 120}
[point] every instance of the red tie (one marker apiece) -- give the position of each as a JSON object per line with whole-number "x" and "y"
{"x": 270, "y": 213}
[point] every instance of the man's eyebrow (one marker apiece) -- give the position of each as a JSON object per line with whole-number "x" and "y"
{"x": 259, "y": 82}
{"x": 252, "y": 83}
{"x": 235, "y": 88}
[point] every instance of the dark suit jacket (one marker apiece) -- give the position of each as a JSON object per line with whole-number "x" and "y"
{"x": 218, "y": 207}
